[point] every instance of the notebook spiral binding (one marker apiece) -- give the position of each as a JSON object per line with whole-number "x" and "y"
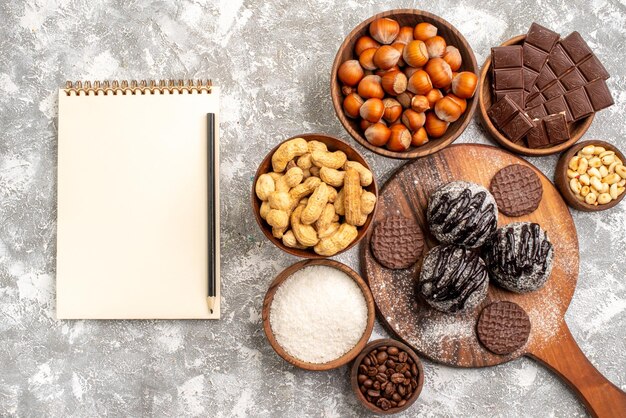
{"x": 124, "y": 87}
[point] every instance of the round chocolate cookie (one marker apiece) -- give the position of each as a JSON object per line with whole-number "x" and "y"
{"x": 519, "y": 257}
{"x": 462, "y": 213}
{"x": 397, "y": 242}
{"x": 503, "y": 327}
{"x": 517, "y": 190}
{"x": 453, "y": 279}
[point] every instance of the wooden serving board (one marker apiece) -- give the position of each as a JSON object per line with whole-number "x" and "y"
{"x": 451, "y": 339}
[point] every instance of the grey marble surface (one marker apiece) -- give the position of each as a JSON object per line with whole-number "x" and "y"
{"x": 272, "y": 60}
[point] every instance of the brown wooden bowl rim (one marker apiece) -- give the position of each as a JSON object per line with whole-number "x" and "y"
{"x": 310, "y": 254}
{"x": 426, "y": 149}
{"x": 354, "y": 351}
{"x": 501, "y": 139}
{"x": 563, "y": 183}
{"x": 355, "y": 367}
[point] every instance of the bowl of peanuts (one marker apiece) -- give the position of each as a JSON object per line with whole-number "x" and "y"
{"x": 591, "y": 176}
{"x": 403, "y": 83}
{"x": 314, "y": 196}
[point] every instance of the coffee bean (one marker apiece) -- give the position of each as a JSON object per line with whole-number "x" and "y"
{"x": 382, "y": 348}
{"x": 363, "y": 369}
{"x": 414, "y": 370}
{"x": 381, "y": 377}
{"x": 394, "y": 404}
{"x": 397, "y": 378}
{"x": 367, "y": 361}
{"x": 381, "y": 357}
{"x": 376, "y": 385}
{"x": 407, "y": 374}
{"x": 368, "y": 383}
{"x": 401, "y": 403}
{"x": 410, "y": 360}
{"x": 413, "y": 384}
{"x": 383, "y": 404}
{"x": 403, "y": 357}
{"x": 390, "y": 389}
{"x": 373, "y": 393}
{"x": 363, "y": 389}
{"x": 372, "y": 371}
{"x": 382, "y": 368}
{"x": 402, "y": 390}
{"x": 361, "y": 378}
{"x": 396, "y": 397}
{"x": 390, "y": 363}
{"x": 406, "y": 382}
{"x": 393, "y": 351}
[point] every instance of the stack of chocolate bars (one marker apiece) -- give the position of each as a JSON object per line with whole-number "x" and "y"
{"x": 544, "y": 85}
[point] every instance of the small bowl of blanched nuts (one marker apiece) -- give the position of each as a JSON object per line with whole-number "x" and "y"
{"x": 591, "y": 176}
{"x": 403, "y": 83}
{"x": 314, "y": 196}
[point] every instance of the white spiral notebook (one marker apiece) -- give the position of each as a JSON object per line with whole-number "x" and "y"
{"x": 132, "y": 225}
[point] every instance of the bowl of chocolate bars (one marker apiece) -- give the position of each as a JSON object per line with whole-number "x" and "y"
{"x": 539, "y": 92}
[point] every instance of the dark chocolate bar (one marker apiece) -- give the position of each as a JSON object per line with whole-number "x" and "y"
{"x": 510, "y": 119}
{"x": 571, "y": 65}
{"x": 507, "y": 73}
{"x": 549, "y": 131}
{"x": 536, "y": 49}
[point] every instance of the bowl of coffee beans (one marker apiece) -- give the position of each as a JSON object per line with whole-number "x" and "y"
{"x": 387, "y": 376}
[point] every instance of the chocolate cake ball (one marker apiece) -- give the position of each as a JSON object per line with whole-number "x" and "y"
{"x": 453, "y": 279}
{"x": 462, "y": 213}
{"x": 519, "y": 257}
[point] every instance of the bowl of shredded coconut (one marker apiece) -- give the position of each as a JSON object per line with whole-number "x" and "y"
{"x": 318, "y": 314}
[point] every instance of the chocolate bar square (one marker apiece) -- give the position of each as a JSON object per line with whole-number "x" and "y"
{"x": 556, "y": 128}
{"x": 558, "y": 105}
{"x": 559, "y": 61}
{"x": 535, "y": 100}
{"x": 518, "y": 127}
{"x": 542, "y": 37}
{"x": 578, "y": 103}
{"x": 537, "y": 112}
{"x": 553, "y": 91}
{"x": 507, "y": 56}
{"x": 508, "y": 78}
{"x": 529, "y": 78}
{"x": 573, "y": 79}
{"x": 502, "y": 111}
{"x": 599, "y": 94}
{"x": 534, "y": 58}
{"x": 592, "y": 68}
{"x": 546, "y": 77}
{"x": 576, "y": 47}
{"x": 518, "y": 96}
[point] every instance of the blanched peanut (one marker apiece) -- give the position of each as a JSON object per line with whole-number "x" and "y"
{"x": 584, "y": 191}
{"x": 595, "y": 182}
{"x": 598, "y": 150}
{"x": 603, "y": 171}
{"x": 615, "y": 191}
{"x": 573, "y": 163}
{"x": 584, "y": 179}
{"x": 588, "y": 149}
{"x": 604, "y": 198}
{"x": 595, "y": 162}
{"x": 611, "y": 179}
{"x": 594, "y": 172}
{"x": 607, "y": 159}
{"x": 582, "y": 166}
{"x": 621, "y": 170}
{"x": 572, "y": 174}
{"x": 575, "y": 186}
{"x": 590, "y": 199}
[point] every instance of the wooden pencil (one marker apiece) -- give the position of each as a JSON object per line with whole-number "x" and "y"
{"x": 211, "y": 291}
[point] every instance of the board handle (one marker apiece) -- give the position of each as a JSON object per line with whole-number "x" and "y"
{"x": 564, "y": 357}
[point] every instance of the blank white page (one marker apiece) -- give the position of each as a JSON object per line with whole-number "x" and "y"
{"x": 132, "y": 236}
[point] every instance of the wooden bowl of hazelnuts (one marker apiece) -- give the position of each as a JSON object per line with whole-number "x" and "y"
{"x": 403, "y": 83}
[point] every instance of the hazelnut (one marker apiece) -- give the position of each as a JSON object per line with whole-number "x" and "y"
{"x": 420, "y": 103}
{"x": 436, "y": 46}
{"x": 464, "y": 84}
{"x": 372, "y": 110}
{"x": 400, "y": 138}
{"x": 393, "y": 110}
{"x": 419, "y": 137}
{"x": 405, "y": 35}
{"x": 363, "y": 43}
{"x": 366, "y": 59}
{"x": 381, "y": 72}
{"x": 434, "y": 96}
{"x": 448, "y": 109}
{"x": 424, "y": 31}
{"x": 394, "y": 82}
{"x": 384, "y": 30}
{"x": 415, "y": 54}
{"x": 435, "y": 127}
{"x": 439, "y": 72}
{"x": 409, "y": 71}
{"x": 352, "y": 105}
{"x": 350, "y": 73}
{"x": 399, "y": 46}
{"x": 377, "y": 134}
{"x": 453, "y": 57}
{"x": 413, "y": 120}
{"x": 371, "y": 86}
{"x": 386, "y": 57}
{"x": 419, "y": 83}
{"x": 405, "y": 99}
